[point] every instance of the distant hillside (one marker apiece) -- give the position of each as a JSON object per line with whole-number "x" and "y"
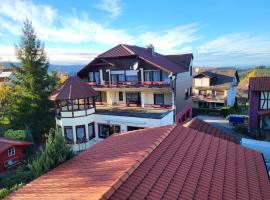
{"x": 70, "y": 69}
{"x": 244, "y": 76}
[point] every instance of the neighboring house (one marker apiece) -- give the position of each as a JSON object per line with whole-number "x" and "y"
{"x": 6, "y": 75}
{"x": 259, "y": 106}
{"x": 214, "y": 88}
{"x": 168, "y": 162}
{"x": 131, "y": 88}
{"x": 11, "y": 153}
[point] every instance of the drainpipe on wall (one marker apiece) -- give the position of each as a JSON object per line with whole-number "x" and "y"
{"x": 173, "y": 80}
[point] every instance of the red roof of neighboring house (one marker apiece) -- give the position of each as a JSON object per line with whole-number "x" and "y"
{"x": 156, "y": 59}
{"x": 203, "y": 126}
{"x": 156, "y": 163}
{"x": 259, "y": 83}
{"x": 73, "y": 88}
{"x": 5, "y": 143}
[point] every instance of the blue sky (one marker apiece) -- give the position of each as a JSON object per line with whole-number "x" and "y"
{"x": 218, "y": 32}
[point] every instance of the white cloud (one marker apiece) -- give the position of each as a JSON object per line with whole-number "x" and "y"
{"x": 111, "y": 6}
{"x": 235, "y": 49}
{"x": 171, "y": 40}
{"x": 73, "y": 29}
{"x": 63, "y": 56}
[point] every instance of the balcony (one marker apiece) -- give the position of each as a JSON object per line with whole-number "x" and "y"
{"x": 209, "y": 98}
{"x": 127, "y": 84}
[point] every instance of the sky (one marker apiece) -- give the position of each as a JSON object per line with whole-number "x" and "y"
{"x": 219, "y": 33}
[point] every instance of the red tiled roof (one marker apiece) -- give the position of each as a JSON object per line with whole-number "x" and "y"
{"x": 156, "y": 163}
{"x": 92, "y": 173}
{"x": 202, "y": 126}
{"x": 259, "y": 83}
{"x": 5, "y": 143}
{"x": 157, "y": 59}
{"x": 193, "y": 165}
{"x": 73, "y": 88}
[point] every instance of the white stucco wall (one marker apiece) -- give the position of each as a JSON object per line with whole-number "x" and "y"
{"x": 122, "y": 121}
{"x": 202, "y": 82}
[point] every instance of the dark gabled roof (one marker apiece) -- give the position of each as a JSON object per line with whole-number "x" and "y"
{"x": 222, "y": 78}
{"x": 157, "y": 163}
{"x": 156, "y": 59}
{"x": 73, "y": 88}
{"x": 5, "y": 143}
{"x": 200, "y": 125}
{"x": 184, "y": 59}
{"x": 259, "y": 83}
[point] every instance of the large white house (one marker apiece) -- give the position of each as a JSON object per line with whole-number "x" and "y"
{"x": 126, "y": 88}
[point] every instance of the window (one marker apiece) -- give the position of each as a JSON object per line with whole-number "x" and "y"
{"x": 11, "y": 151}
{"x": 147, "y": 76}
{"x": 118, "y": 78}
{"x": 94, "y": 77}
{"x": 156, "y": 75}
{"x": 265, "y": 100}
{"x": 133, "y": 98}
{"x": 186, "y": 94}
{"x": 80, "y": 134}
{"x": 165, "y": 77}
{"x": 98, "y": 97}
{"x": 91, "y": 77}
{"x": 97, "y": 77}
{"x": 105, "y": 130}
{"x": 132, "y": 78}
{"x": 68, "y": 134}
{"x": 120, "y": 96}
{"x": 91, "y": 130}
{"x": 159, "y": 99}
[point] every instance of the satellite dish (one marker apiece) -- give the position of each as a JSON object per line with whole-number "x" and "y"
{"x": 135, "y": 65}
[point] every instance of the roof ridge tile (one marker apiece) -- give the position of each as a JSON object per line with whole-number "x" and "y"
{"x": 116, "y": 184}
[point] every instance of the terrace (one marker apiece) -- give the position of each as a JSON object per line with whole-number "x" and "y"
{"x": 146, "y": 112}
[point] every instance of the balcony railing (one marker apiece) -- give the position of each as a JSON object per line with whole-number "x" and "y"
{"x": 209, "y": 98}
{"x": 131, "y": 84}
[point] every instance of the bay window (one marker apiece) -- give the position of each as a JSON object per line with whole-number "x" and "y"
{"x": 91, "y": 131}
{"x": 68, "y": 132}
{"x": 80, "y": 134}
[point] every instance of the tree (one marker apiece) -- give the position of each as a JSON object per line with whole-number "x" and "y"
{"x": 15, "y": 134}
{"x": 29, "y": 107}
{"x": 56, "y": 152}
{"x": 5, "y": 91}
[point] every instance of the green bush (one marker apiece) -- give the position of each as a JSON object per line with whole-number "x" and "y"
{"x": 56, "y": 152}
{"x": 21, "y": 175}
{"x": 240, "y": 128}
{"x": 15, "y": 134}
{"x": 5, "y": 191}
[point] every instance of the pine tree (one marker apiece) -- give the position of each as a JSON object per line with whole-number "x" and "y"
{"x": 29, "y": 107}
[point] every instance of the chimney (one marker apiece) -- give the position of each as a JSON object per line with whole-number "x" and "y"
{"x": 151, "y": 49}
